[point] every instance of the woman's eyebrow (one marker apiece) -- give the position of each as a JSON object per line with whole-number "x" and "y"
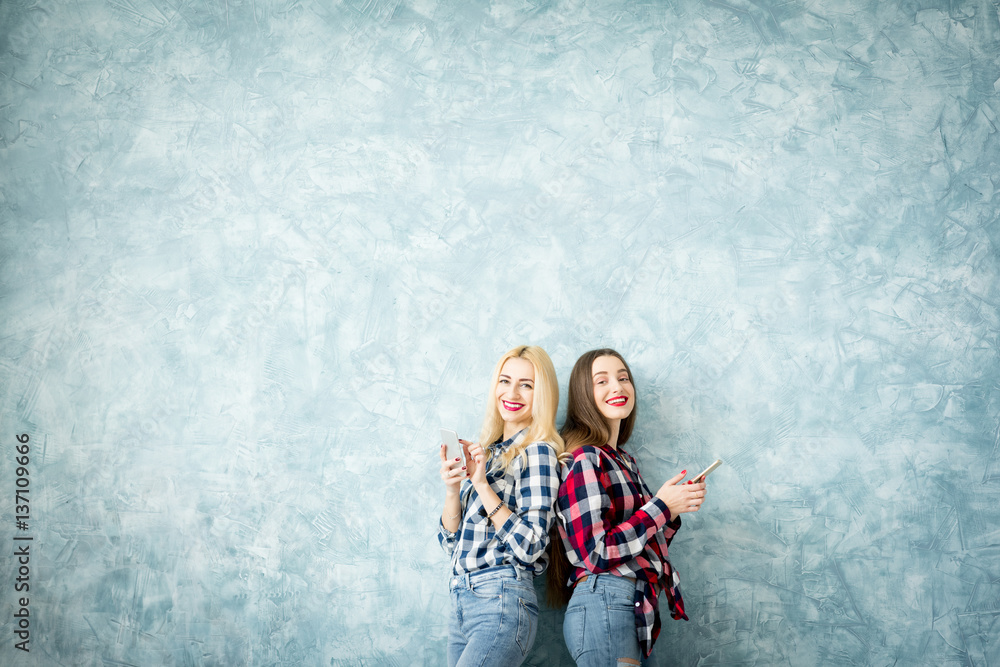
{"x": 504, "y": 375}
{"x": 620, "y": 370}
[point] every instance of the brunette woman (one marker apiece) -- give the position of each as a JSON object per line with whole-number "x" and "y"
{"x": 498, "y": 512}
{"x": 614, "y": 531}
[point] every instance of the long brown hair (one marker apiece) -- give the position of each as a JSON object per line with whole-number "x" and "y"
{"x": 584, "y": 425}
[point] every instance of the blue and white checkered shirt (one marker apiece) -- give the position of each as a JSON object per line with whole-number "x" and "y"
{"x": 529, "y": 490}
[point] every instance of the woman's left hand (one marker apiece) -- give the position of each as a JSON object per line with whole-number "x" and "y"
{"x": 681, "y": 498}
{"x": 470, "y": 463}
{"x": 476, "y": 462}
{"x": 478, "y": 457}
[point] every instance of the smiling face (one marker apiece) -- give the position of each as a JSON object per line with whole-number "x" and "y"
{"x": 514, "y": 394}
{"x": 614, "y": 394}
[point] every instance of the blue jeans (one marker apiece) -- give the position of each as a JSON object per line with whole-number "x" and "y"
{"x": 494, "y": 618}
{"x": 599, "y": 626}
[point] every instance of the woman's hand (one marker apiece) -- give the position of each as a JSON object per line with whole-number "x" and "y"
{"x": 476, "y": 457}
{"x": 452, "y": 473}
{"x": 470, "y": 462}
{"x": 681, "y": 498}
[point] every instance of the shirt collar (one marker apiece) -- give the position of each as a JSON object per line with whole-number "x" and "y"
{"x": 619, "y": 453}
{"x": 499, "y": 447}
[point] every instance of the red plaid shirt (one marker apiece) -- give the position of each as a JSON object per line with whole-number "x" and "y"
{"x": 611, "y": 523}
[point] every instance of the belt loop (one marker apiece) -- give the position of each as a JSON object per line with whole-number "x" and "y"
{"x": 592, "y": 582}
{"x": 468, "y": 580}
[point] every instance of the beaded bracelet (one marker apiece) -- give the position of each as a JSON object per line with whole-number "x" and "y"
{"x": 495, "y": 510}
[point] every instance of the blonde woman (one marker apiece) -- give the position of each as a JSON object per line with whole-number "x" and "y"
{"x": 498, "y": 512}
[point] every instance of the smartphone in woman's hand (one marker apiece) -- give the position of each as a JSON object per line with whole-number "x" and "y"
{"x": 704, "y": 473}
{"x": 454, "y": 447}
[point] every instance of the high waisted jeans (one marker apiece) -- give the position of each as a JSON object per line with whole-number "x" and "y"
{"x": 599, "y": 626}
{"x": 494, "y": 617}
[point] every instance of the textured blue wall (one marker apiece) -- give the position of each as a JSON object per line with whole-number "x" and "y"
{"x": 254, "y": 253}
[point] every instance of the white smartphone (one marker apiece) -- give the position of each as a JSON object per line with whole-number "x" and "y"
{"x": 454, "y": 447}
{"x": 704, "y": 473}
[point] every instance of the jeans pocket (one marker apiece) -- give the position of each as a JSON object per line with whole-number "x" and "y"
{"x": 527, "y": 624}
{"x": 490, "y": 590}
{"x": 620, "y": 601}
{"x": 620, "y": 597}
{"x": 575, "y": 631}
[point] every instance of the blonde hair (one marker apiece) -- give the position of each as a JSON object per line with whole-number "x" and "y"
{"x": 545, "y": 402}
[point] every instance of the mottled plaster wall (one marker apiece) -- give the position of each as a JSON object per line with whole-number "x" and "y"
{"x": 254, "y": 253}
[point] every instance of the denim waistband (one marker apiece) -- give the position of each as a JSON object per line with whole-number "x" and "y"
{"x": 595, "y": 580}
{"x": 496, "y": 572}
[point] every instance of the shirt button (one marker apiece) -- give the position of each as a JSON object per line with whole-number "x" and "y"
{"x": 636, "y": 604}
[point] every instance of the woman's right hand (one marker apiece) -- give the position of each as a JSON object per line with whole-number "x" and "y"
{"x": 452, "y": 472}
{"x": 681, "y": 498}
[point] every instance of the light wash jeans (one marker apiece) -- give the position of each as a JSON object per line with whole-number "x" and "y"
{"x": 599, "y": 626}
{"x": 494, "y": 617}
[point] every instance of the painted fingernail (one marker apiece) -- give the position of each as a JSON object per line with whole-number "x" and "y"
{"x": 683, "y": 472}
{"x": 457, "y": 458}
{"x": 463, "y": 467}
